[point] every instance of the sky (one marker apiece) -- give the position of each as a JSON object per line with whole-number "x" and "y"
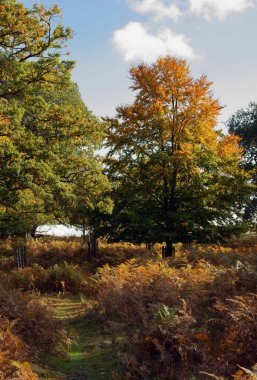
{"x": 217, "y": 37}
{"x": 59, "y": 230}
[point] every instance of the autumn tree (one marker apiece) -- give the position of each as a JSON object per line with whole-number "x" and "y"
{"x": 47, "y": 135}
{"x": 176, "y": 177}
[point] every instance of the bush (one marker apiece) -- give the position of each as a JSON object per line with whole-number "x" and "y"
{"x": 145, "y": 305}
{"x": 59, "y": 278}
{"x": 34, "y": 321}
{"x": 116, "y": 253}
{"x": 30, "y": 278}
{"x": 177, "y": 322}
{"x": 127, "y": 292}
{"x": 47, "y": 253}
{"x": 239, "y": 336}
{"x": 66, "y": 277}
{"x": 13, "y": 355}
{"x": 165, "y": 348}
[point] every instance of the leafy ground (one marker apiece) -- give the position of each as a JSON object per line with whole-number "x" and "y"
{"x": 91, "y": 357}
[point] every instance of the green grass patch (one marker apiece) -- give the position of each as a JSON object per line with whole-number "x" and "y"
{"x": 92, "y": 357}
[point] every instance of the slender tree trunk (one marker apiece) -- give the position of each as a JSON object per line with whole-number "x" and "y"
{"x": 84, "y": 235}
{"x": 20, "y": 253}
{"x": 92, "y": 246}
{"x": 170, "y": 249}
{"x": 149, "y": 247}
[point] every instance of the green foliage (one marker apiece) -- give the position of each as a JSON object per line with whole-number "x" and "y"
{"x": 243, "y": 124}
{"x": 66, "y": 277}
{"x": 176, "y": 177}
{"x": 47, "y": 135}
{"x": 165, "y": 315}
{"x": 93, "y": 355}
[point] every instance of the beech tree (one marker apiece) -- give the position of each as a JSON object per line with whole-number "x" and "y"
{"x": 176, "y": 177}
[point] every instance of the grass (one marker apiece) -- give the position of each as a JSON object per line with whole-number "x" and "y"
{"x": 92, "y": 357}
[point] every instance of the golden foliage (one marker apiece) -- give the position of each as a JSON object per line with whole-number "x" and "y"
{"x": 183, "y": 316}
{"x": 13, "y": 355}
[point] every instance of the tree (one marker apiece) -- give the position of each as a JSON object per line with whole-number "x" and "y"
{"x": 47, "y": 135}
{"x": 30, "y": 65}
{"x": 244, "y": 125}
{"x": 176, "y": 177}
{"x": 90, "y": 198}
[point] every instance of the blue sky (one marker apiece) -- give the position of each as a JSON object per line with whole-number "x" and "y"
{"x": 218, "y": 37}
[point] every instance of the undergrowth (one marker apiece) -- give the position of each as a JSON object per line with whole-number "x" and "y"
{"x": 27, "y": 328}
{"x": 189, "y": 317}
{"x": 178, "y": 322}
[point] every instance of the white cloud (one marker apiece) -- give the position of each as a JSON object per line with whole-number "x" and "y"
{"x": 159, "y": 8}
{"x": 135, "y": 43}
{"x": 207, "y": 8}
{"x": 219, "y": 8}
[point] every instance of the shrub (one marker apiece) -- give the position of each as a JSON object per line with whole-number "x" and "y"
{"x": 47, "y": 253}
{"x": 126, "y": 292}
{"x": 34, "y": 321}
{"x": 66, "y": 277}
{"x": 176, "y": 322}
{"x": 145, "y": 305}
{"x": 30, "y": 278}
{"x": 239, "y": 336}
{"x": 58, "y": 278}
{"x": 116, "y": 253}
{"x": 165, "y": 348}
{"x": 13, "y": 355}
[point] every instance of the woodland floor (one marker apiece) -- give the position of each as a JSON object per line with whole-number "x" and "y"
{"x": 91, "y": 357}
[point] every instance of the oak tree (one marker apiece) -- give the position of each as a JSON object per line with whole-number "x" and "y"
{"x": 47, "y": 135}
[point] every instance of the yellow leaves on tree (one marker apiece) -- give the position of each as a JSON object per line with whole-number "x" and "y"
{"x": 228, "y": 147}
{"x": 182, "y": 166}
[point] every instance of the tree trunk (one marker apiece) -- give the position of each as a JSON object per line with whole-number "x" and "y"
{"x": 92, "y": 246}
{"x": 33, "y": 232}
{"x": 84, "y": 235}
{"x": 149, "y": 247}
{"x": 20, "y": 253}
{"x": 170, "y": 249}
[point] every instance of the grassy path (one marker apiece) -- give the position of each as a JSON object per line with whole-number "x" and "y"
{"x": 93, "y": 355}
